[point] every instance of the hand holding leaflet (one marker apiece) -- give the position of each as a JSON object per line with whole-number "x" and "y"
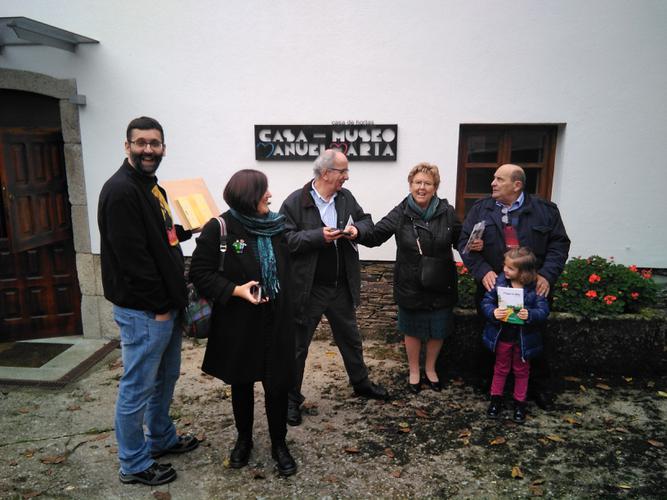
{"x": 476, "y": 234}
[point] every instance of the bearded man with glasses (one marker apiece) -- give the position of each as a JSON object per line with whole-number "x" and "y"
{"x": 514, "y": 218}
{"x": 142, "y": 275}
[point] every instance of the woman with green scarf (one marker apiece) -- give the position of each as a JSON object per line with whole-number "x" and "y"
{"x": 425, "y": 283}
{"x": 251, "y": 335}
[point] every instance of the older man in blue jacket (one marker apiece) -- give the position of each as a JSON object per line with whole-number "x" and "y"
{"x": 512, "y": 218}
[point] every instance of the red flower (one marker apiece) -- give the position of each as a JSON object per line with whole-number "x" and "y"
{"x": 609, "y": 299}
{"x": 594, "y": 278}
{"x": 591, "y": 294}
{"x": 634, "y": 295}
{"x": 459, "y": 264}
{"x": 564, "y": 285}
{"x": 647, "y": 274}
{"x": 633, "y": 268}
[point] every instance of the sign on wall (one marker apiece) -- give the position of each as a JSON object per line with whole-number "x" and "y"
{"x": 359, "y": 142}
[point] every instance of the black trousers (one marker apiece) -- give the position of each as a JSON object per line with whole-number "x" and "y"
{"x": 335, "y": 302}
{"x": 275, "y": 402}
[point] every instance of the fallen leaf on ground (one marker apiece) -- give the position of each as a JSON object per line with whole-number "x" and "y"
{"x": 603, "y": 387}
{"x": 582, "y": 388}
{"x": 309, "y": 405}
{"x": 330, "y": 479}
{"x": 330, "y": 354}
{"x": 570, "y": 378}
{"x": 53, "y": 459}
{"x": 421, "y": 413}
{"x": 257, "y": 474}
{"x": 628, "y": 379}
{"x": 620, "y": 429}
{"x": 185, "y": 421}
{"x": 570, "y": 420}
{"x": 389, "y": 452}
{"x": 351, "y": 449}
{"x": 73, "y": 408}
{"x": 538, "y": 481}
{"x": 662, "y": 394}
{"x": 465, "y": 433}
{"x": 655, "y": 443}
{"x": 29, "y": 453}
{"x": 497, "y": 440}
{"x": 225, "y": 463}
{"x": 100, "y": 437}
{"x": 555, "y": 437}
{"x": 398, "y": 403}
{"x": 329, "y": 427}
{"x": 26, "y": 409}
{"x": 162, "y": 495}
{"x": 624, "y": 486}
{"x": 516, "y": 472}
{"x": 396, "y": 473}
{"x": 113, "y": 450}
{"x": 536, "y": 491}
{"x": 31, "y": 494}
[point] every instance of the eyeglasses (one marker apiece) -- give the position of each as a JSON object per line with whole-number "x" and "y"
{"x": 505, "y": 218}
{"x": 427, "y": 184}
{"x": 341, "y": 171}
{"x": 141, "y": 144}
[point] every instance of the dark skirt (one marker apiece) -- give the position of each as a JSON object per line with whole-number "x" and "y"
{"x": 426, "y": 325}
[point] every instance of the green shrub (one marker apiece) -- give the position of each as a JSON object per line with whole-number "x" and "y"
{"x": 467, "y": 287}
{"x": 595, "y": 286}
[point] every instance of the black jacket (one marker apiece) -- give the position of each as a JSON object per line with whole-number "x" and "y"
{"x": 246, "y": 342}
{"x": 305, "y": 240}
{"x": 436, "y": 236}
{"x": 540, "y": 228}
{"x": 140, "y": 270}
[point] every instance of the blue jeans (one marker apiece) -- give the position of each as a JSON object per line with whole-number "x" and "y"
{"x": 151, "y": 353}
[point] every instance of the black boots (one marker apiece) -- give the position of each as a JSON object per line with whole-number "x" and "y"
{"x": 241, "y": 452}
{"x": 284, "y": 462}
{"x": 495, "y": 407}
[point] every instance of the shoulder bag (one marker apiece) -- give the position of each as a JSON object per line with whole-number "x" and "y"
{"x": 197, "y": 314}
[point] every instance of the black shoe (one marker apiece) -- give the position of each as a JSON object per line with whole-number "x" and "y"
{"x": 370, "y": 390}
{"x": 284, "y": 462}
{"x": 519, "y": 412}
{"x": 434, "y": 386}
{"x": 294, "y": 414}
{"x": 543, "y": 401}
{"x": 156, "y": 474}
{"x": 241, "y": 452}
{"x": 185, "y": 443}
{"x": 415, "y": 388}
{"x": 495, "y": 407}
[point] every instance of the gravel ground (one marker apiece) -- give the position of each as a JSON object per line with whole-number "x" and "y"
{"x": 606, "y": 438}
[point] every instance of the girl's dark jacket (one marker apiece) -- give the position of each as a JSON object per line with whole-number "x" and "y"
{"x": 530, "y": 337}
{"x": 246, "y": 342}
{"x": 436, "y": 236}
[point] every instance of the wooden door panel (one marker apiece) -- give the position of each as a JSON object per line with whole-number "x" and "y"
{"x": 39, "y": 288}
{"x": 34, "y": 189}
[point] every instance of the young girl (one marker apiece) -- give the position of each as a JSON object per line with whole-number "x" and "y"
{"x": 514, "y": 343}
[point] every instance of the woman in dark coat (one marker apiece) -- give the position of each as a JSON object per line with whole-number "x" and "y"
{"x": 251, "y": 337}
{"x": 423, "y": 225}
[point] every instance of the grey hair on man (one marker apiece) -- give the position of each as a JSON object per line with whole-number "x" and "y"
{"x": 324, "y": 162}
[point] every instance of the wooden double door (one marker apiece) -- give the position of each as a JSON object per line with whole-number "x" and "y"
{"x": 39, "y": 289}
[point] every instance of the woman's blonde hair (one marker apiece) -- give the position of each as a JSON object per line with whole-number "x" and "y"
{"x": 525, "y": 261}
{"x": 425, "y": 168}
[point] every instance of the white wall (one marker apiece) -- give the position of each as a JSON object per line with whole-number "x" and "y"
{"x": 213, "y": 69}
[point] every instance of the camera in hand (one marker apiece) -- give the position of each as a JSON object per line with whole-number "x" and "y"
{"x": 256, "y": 291}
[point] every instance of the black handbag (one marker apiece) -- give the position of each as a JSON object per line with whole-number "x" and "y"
{"x": 196, "y": 321}
{"x": 435, "y": 273}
